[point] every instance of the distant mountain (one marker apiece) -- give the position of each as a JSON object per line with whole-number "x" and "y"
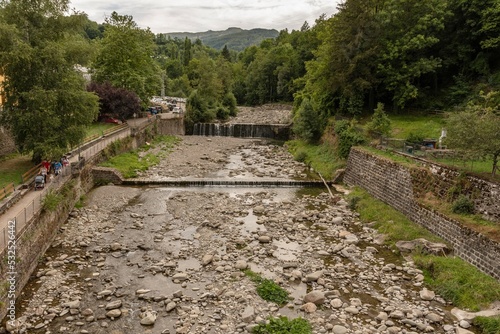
{"x": 235, "y": 38}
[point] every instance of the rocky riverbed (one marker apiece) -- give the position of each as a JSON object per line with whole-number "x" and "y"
{"x": 170, "y": 260}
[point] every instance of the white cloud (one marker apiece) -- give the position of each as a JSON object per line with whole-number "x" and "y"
{"x": 199, "y": 15}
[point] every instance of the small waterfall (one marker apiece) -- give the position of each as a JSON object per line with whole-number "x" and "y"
{"x": 272, "y": 131}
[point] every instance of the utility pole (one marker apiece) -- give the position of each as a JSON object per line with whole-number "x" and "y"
{"x": 163, "y": 84}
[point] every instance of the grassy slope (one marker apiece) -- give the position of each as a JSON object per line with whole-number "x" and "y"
{"x": 12, "y": 167}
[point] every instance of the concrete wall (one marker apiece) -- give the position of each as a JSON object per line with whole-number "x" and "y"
{"x": 400, "y": 186}
{"x": 171, "y": 126}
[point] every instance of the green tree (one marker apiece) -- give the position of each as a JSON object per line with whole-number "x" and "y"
{"x": 345, "y": 67}
{"x": 46, "y": 107}
{"x": 409, "y": 31}
{"x": 225, "y": 53}
{"x": 197, "y": 110}
{"x": 125, "y": 58}
{"x": 379, "y": 124}
{"x": 307, "y": 123}
{"x": 187, "y": 52}
{"x": 475, "y": 131}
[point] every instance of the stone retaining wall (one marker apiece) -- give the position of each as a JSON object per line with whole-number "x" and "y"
{"x": 107, "y": 175}
{"x": 398, "y": 186}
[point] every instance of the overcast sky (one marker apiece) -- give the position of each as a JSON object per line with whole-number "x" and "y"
{"x": 203, "y": 15}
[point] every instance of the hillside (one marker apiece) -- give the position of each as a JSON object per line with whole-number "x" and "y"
{"x": 235, "y": 38}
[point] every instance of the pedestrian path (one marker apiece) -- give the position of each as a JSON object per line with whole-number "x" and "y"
{"x": 30, "y": 202}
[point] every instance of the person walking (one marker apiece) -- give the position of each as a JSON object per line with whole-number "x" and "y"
{"x": 43, "y": 172}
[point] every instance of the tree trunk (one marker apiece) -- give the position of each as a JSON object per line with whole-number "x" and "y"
{"x": 495, "y": 164}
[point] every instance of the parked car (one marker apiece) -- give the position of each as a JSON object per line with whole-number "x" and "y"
{"x": 155, "y": 110}
{"x": 177, "y": 110}
{"x": 109, "y": 119}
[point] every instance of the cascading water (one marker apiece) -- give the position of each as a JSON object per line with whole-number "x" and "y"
{"x": 272, "y": 131}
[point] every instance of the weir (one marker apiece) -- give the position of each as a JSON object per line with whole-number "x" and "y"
{"x": 225, "y": 183}
{"x": 272, "y": 131}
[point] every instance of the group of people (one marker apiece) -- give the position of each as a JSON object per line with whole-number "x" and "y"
{"x": 53, "y": 167}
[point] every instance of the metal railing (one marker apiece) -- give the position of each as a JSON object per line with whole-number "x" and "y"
{"x": 26, "y": 214}
{"x": 35, "y": 205}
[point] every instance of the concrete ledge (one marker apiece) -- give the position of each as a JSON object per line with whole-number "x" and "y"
{"x": 225, "y": 183}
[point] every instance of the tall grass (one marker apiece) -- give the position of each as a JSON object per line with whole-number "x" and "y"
{"x": 129, "y": 164}
{"x": 451, "y": 277}
{"x": 427, "y": 126}
{"x": 321, "y": 158}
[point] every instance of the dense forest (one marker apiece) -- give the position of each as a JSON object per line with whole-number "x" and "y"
{"x": 405, "y": 54}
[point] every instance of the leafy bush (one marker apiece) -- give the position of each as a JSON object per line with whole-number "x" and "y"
{"x": 283, "y": 325}
{"x": 51, "y": 201}
{"x": 229, "y": 101}
{"x": 307, "y": 125}
{"x": 222, "y": 112}
{"x": 353, "y": 202}
{"x": 462, "y": 205}
{"x": 268, "y": 289}
{"x": 380, "y": 122}
{"x": 348, "y": 137}
{"x": 414, "y": 138}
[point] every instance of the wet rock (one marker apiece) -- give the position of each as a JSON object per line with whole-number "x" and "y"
{"x": 313, "y": 277}
{"x": 351, "y": 310}
{"x": 115, "y": 313}
{"x": 315, "y": 297}
{"x": 309, "y": 307}
{"x": 114, "y": 305}
{"x": 433, "y": 317}
{"x": 464, "y": 324}
{"x": 336, "y": 303}
{"x": 142, "y": 291}
{"x": 338, "y": 329}
{"x": 207, "y": 259}
{"x": 73, "y": 304}
{"x": 248, "y": 314}
{"x": 427, "y": 294}
{"x": 148, "y": 318}
{"x": 241, "y": 264}
{"x": 264, "y": 239}
{"x": 180, "y": 277}
{"x": 170, "y": 306}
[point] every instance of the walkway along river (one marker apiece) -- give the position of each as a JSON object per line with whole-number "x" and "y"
{"x": 154, "y": 259}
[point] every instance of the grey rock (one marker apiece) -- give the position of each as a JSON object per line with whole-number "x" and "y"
{"x": 114, "y": 305}
{"x": 316, "y": 297}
